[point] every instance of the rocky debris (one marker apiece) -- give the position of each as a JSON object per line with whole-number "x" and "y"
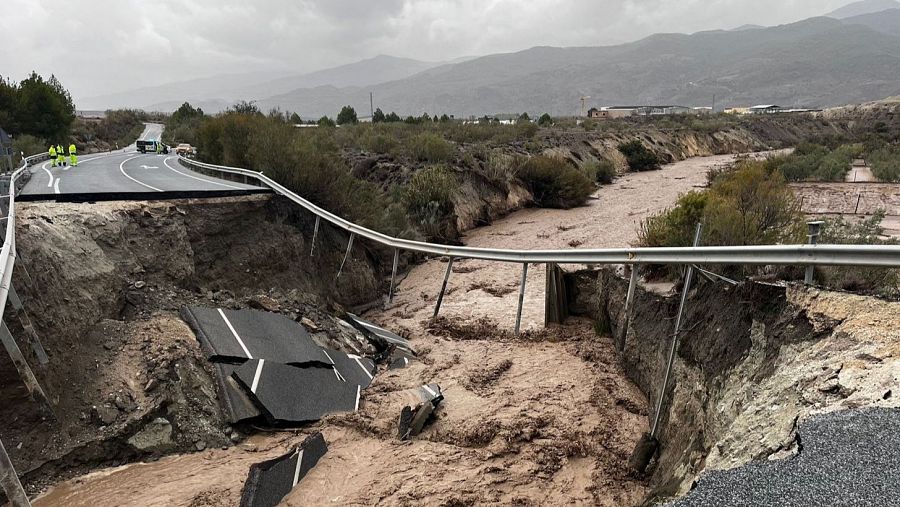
{"x": 263, "y": 302}
{"x": 104, "y": 414}
{"x": 155, "y": 437}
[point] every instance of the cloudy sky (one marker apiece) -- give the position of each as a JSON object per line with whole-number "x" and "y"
{"x": 103, "y": 46}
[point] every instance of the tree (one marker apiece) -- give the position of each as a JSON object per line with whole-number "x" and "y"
{"x": 392, "y": 118}
{"x": 326, "y": 122}
{"x": 186, "y": 112}
{"x": 545, "y": 120}
{"x": 445, "y": 118}
{"x": 523, "y": 118}
{"x": 378, "y": 116}
{"x": 425, "y": 117}
{"x": 244, "y": 107}
{"x": 295, "y": 119}
{"x": 44, "y": 108}
{"x": 347, "y": 115}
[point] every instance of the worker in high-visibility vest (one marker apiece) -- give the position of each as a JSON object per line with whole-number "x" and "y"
{"x": 73, "y": 160}
{"x": 52, "y": 153}
{"x": 158, "y": 147}
{"x": 60, "y": 155}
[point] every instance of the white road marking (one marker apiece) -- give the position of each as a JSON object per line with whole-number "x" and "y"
{"x": 234, "y": 333}
{"x": 430, "y": 390}
{"x": 166, "y": 161}
{"x": 334, "y": 367}
{"x": 122, "y": 170}
{"x": 297, "y": 469}
{"x": 358, "y": 390}
{"x": 56, "y": 186}
{"x": 44, "y": 167}
{"x": 256, "y": 375}
{"x": 359, "y": 362}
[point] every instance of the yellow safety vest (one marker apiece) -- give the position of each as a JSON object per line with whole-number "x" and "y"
{"x": 71, "y": 149}
{"x": 52, "y": 151}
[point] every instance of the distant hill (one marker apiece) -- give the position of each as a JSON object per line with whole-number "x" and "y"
{"x": 887, "y": 22}
{"x": 816, "y": 62}
{"x": 863, "y": 7}
{"x": 220, "y": 92}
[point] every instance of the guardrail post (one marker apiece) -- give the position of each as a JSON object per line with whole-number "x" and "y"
{"x": 521, "y": 296}
{"x": 440, "y": 298}
{"x": 31, "y": 382}
{"x": 814, "y": 231}
{"x": 312, "y": 249}
{"x": 393, "y": 275}
{"x": 33, "y": 339}
{"x": 629, "y": 303}
{"x": 9, "y": 480}
{"x": 346, "y": 255}
{"x": 555, "y": 305}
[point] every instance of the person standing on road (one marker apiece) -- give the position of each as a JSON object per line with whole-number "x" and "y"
{"x": 60, "y": 155}
{"x": 73, "y": 160}
{"x": 158, "y": 147}
{"x": 52, "y": 153}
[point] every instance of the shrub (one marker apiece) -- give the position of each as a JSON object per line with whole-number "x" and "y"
{"x": 27, "y": 144}
{"x": 674, "y": 227}
{"x": 545, "y": 120}
{"x": 326, "y": 122}
{"x": 815, "y": 162}
{"x": 502, "y": 167}
{"x": 554, "y": 183}
{"x": 638, "y": 156}
{"x": 429, "y": 201}
{"x": 885, "y": 163}
{"x": 606, "y": 171}
{"x": 430, "y": 148}
{"x": 880, "y": 281}
{"x": 346, "y": 116}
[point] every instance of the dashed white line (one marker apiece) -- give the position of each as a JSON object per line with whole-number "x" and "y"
{"x": 358, "y": 390}
{"x": 166, "y": 162}
{"x": 297, "y": 469}
{"x": 259, "y": 368}
{"x": 122, "y": 170}
{"x": 234, "y": 333}
{"x": 359, "y": 362}
{"x": 44, "y": 167}
{"x": 56, "y": 186}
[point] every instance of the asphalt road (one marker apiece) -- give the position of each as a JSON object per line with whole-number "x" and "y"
{"x": 125, "y": 174}
{"x": 846, "y": 458}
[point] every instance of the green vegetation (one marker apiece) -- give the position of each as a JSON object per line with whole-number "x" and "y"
{"x": 816, "y": 162}
{"x": 746, "y": 206}
{"x": 182, "y": 125}
{"x": 428, "y": 199}
{"x": 602, "y": 171}
{"x": 638, "y": 156}
{"x": 545, "y": 120}
{"x": 429, "y": 147}
{"x": 37, "y": 107}
{"x": 346, "y": 116}
{"x": 885, "y": 163}
{"x": 555, "y": 183}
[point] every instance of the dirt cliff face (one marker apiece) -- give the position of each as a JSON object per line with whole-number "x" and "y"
{"x": 753, "y": 361}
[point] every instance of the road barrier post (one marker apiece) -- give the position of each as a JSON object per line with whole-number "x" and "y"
{"x": 31, "y": 382}
{"x": 629, "y": 304}
{"x": 521, "y": 296}
{"x": 556, "y": 308}
{"x": 25, "y": 320}
{"x": 440, "y": 298}
{"x": 312, "y": 249}
{"x": 814, "y": 231}
{"x": 9, "y": 480}
{"x": 346, "y": 255}
{"x": 393, "y": 275}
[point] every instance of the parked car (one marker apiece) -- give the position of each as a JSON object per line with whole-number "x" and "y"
{"x": 184, "y": 149}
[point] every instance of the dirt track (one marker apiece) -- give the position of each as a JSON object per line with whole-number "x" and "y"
{"x": 549, "y": 419}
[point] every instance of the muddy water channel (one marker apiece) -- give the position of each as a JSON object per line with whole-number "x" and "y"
{"x": 548, "y": 419}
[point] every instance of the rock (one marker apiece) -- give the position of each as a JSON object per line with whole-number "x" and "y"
{"x": 154, "y": 437}
{"x": 134, "y": 298}
{"x": 151, "y": 385}
{"x": 200, "y": 445}
{"x": 309, "y": 325}
{"x": 125, "y": 403}
{"x": 140, "y": 284}
{"x": 262, "y": 302}
{"x": 105, "y": 414}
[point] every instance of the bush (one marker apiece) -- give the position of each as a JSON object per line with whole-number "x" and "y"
{"x": 430, "y": 148}
{"x": 545, "y": 120}
{"x": 554, "y": 183}
{"x": 606, "y": 172}
{"x": 346, "y": 116}
{"x": 27, "y": 144}
{"x": 880, "y": 281}
{"x": 885, "y": 163}
{"x": 326, "y": 122}
{"x": 674, "y": 227}
{"x": 638, "y": 156}
{"x": 815, "y": 162}
{"x": 429, "y": 201}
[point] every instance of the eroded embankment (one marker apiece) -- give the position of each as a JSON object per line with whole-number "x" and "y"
{"x": 753, "y": 361}
{"x": 103, "y": 285}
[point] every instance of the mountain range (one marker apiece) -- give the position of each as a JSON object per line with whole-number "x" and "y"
{"x": 851, "y": 55}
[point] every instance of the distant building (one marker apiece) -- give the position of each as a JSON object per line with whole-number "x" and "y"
{"x": 703, "y": 110}
{"x": 765, "y": 109}
{"x": 737, "y": 110}
{"x": 598, "y": 114}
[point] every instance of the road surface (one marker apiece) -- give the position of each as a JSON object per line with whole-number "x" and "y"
{"x": 126, "y": 174}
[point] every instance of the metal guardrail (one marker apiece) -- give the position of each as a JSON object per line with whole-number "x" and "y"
{"x": 805, "y": 255}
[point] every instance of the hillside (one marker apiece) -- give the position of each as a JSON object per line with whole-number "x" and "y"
{"x": 863, "y": 7}
{"x": 816, "y": 62}
{"x": 887, "y": 22}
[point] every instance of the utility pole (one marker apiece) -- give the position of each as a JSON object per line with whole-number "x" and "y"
{"x": 714, "y": 104}
{"x": 582, "y": 104}
{"x": 372, "y": 105}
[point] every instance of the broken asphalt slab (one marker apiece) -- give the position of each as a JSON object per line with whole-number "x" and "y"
{"x": 234, "y": 335}
{"x": 291, "y": 394}
{"x": 268, "y": 482}
{"x": 846, "y": 458}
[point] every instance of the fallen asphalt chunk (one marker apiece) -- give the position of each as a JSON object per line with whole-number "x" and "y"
{"x": 352, "y": 368}
{"x": 290, "y": 394}
{"x": 379, "y": 335}
{"x": 235, "y": 402}
{"x": 419, "y": 405}
{"x": 235, "y": 335}
{"x": 270, "y": 481}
